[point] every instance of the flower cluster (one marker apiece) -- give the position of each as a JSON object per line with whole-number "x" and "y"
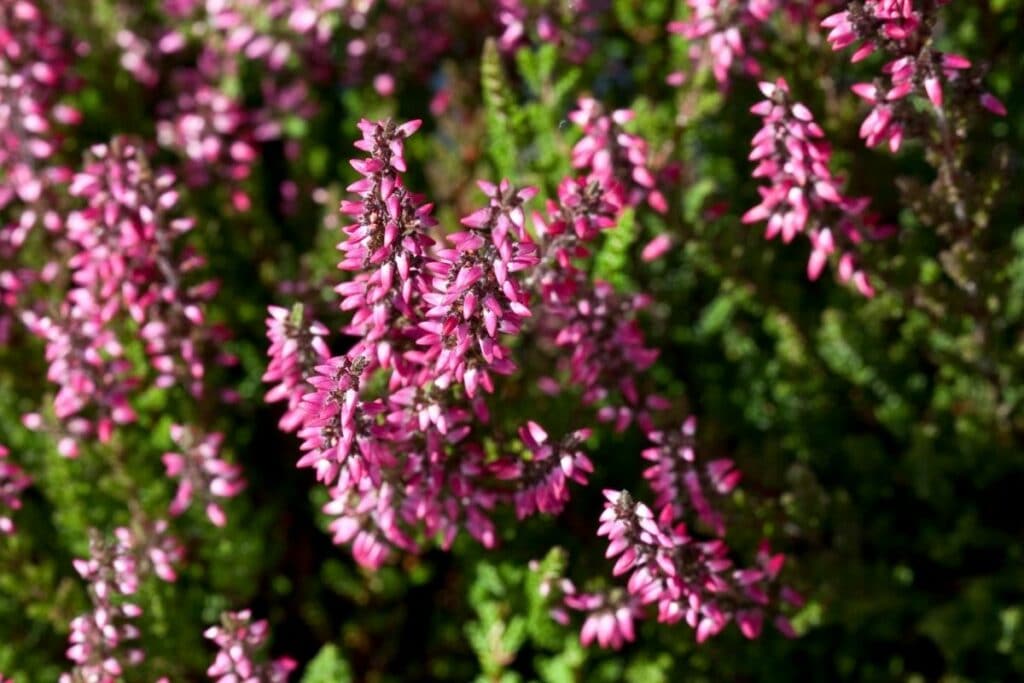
{"x": 594, "y": 323}
{"x": 151, "y": 547}
{"x": 296, "y": 346}
{"x": 202, "y": 472}
{"x": 213, "y": 133}
{"x": 581, "y": 211}
{"x": 388, "y": 245}
{"x": 399, "y": 426}
{"x": 723, "y": 34}
{"x": 413, "y": 475}
{"x": 364, "y": 517}
{"x": 35, "y": 60}
{"x": 87, "y": 363}
{"x": 398, "y": 39}
{"x": 334, "y": 430}
{"x": 671, "y": 570}
{"x": 686, "y": 578}
{"x": 802, "y": 195}
{"x": 240, "y": 640}
{"x": 401, "y": 464}
{"x": 404, "y": 466}
{"x": 543, "y": 480}
{"x": 13, "y": 481}
{"x": 571, "y": 25}
{"x": 285, "y": 50}
{"x": 902, "y": 29}
{"x": 391, "y": 458}
{"x": 680, "y": 487}
{"x": 125, "y": 269}
{"x": 610, "y": 615}
{"x": 613, "y": 157}
{"x": 184, "y": 63}
{"x": 604, "y": 352}
{"x": 34, "y": 73}
{"x": 475, "y": 293}
{"x": 103, "y": 642}
{"x": 126, "y": 241}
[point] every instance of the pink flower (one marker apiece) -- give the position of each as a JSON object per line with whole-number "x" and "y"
{"x": 898, "y": 28}
{"x": 13, "y": 481}
{"x": 124, "y": 268}
{"x": 992, "y": 103}
{"x": 477, "y": 295}
{"x": 656, "y": 248}
{"x": 152, "y": 548}
{"x": 388, "y": 244}
{"x": 616, "y": 159}
{"x": 525, "y": 23}
{"x": 610, "y": 617}
{"x": 684, "y": 579}
{"x": 802, "y": 196}
{"x": 606, "y": 351}
{"x": 680, "y": 486}
{"x": 725, "y": 34}
{"x": 203, "y": 474}
{"x": 35, "y": 71}
{"x": 296, "y": 346}
{"x": 240, "y": 640}
{"x": 336, "y": 431}
{"x": 542, "y": 482}
{"x": 392, "y": 426}
{"x": 103, "y": 642}
{"x": 364, "y": 516}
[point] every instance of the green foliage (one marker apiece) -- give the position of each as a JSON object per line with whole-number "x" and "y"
{"x": 512, "y": 615}
{"x": 499, "y": 111}
{"x": 329, "y": 666}
{"x": 499, "y": 630}
{"x": 612, "y": 259}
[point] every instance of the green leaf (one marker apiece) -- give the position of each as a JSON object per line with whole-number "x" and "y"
{"x": 501, "y": 143}
{"x": 329, "y": 666}
{"x": 612, "y": 261}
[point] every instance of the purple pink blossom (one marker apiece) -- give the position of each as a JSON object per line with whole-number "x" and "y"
{"x": 573, "y": 27}
{"x": 801, "y": 195}
{"x": 296, "y": 347}
{"x": 681, "y": 486}
{"x": 104, "y": 642}
{"x": 391, "y": 427}
{"x": 613, "y": 157}
{"x": 542, "y": 481}
{"x": 683, "y": 577}
{"x": 724, "y": 35}
{"x": 239, "y": 640}
{"x": 125, "y": 270}
{"x": 476, "y": 296}
{"x": 13, "y": 481}
{"x": 902, "y": 30}
{"x": 202, "y": 473}
{"x": 36, "y": 59}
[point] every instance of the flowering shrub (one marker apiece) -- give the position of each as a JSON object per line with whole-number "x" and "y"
{"x": 272, "y": 409}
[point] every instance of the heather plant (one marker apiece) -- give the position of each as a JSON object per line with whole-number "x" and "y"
{"x": 389, "y": 340}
